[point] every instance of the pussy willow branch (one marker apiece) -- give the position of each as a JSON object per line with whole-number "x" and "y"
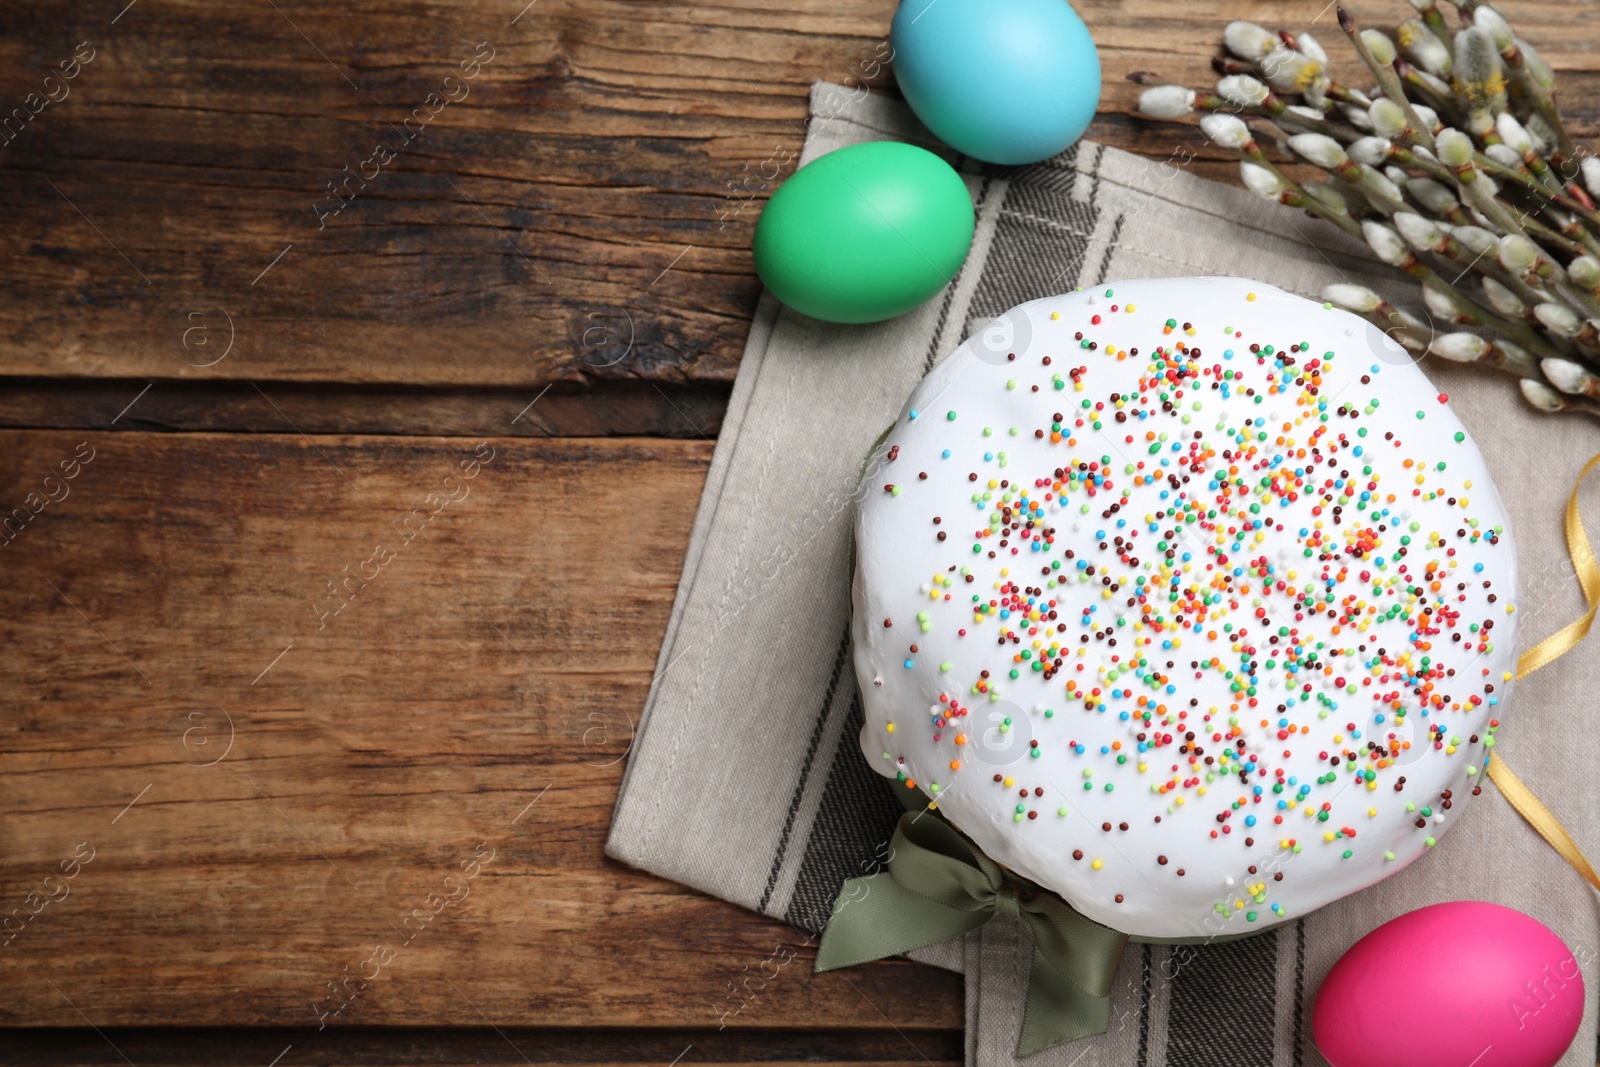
{"x": 1456, "y": 164}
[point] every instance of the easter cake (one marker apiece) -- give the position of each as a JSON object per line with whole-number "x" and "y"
{"x": 1189, "y": 600}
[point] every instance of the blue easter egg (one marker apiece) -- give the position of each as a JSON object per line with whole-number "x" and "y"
{"x": 1004, "y": 81}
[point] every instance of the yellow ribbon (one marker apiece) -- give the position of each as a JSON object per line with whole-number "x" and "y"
{"x": 1532, "y": 809}
{"x": 1545, "y": 652}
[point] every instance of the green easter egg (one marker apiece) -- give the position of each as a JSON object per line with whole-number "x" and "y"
{"x": 864, "y": 233}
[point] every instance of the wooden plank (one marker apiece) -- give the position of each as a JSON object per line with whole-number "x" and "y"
{"x": 509, "y": 1045}
{"x": 464, "y": 713}
{"x": 200, "y": 143}
{"x": 662, "y": 409}
{"x": 603, "y": 171}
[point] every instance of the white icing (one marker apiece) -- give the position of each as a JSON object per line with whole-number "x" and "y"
{"x": 899, "y": 557}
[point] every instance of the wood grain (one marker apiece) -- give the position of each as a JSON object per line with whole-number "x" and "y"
{"x": 490, "y": 1047}
{"x": 601, "y": 409}
{"x": 583, "y": 214}
{"x": 475, "y": 696}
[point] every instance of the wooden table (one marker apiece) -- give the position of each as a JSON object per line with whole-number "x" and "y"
{"x": 339, "y": 341}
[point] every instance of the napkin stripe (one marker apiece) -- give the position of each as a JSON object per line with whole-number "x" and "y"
{"x": 978, "y": 258}
{"x": 805, "y": 771}
{"x": 1111, "y": 245}
{"x": 1299, "y": 991}
{"x": 1224, "y": 1002}
{"x": 1041, "y": 236}
{"x": 1144, "y": 1006}
{"x": 851, "y": 832}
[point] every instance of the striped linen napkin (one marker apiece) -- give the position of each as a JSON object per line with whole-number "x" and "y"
{"x": 745, "y": 779}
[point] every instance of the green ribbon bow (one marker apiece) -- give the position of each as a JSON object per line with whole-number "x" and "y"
{"x": 939, "y": 886}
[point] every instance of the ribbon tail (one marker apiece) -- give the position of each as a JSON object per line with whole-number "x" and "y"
{"x": 1564, "y": 640}
{"x": 1069, "y": 984}
{"x": 1546, "y": 652}
{"x": 1058, "y": 1010}
{"x": 1531, "y": 808}
{"x": 875, "y": 917}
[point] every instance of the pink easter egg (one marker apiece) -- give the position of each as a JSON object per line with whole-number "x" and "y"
{"x": 1450, "y": 985}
